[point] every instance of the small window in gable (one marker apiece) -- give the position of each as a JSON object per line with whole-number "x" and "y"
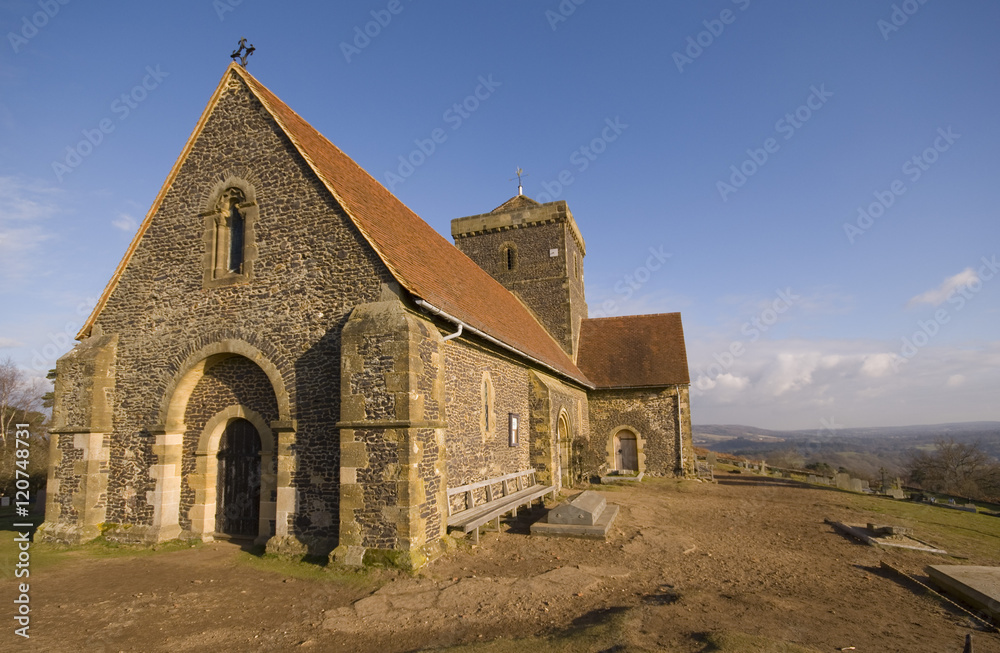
{"x": 229, "y": 237}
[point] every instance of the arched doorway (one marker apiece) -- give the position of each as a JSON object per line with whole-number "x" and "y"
{"x": 626, "y": 452}
{"x": 565, "y": 452}
{"x": 238, "y": 506}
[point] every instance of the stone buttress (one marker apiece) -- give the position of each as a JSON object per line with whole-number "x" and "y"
{"x": 393, "y": 505}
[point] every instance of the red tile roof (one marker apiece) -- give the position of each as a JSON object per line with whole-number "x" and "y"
{"x": 634, "y": 351}
{"x": 420, "y": 258}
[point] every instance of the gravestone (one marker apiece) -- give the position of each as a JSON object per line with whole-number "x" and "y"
{"x": 583, "y": 510}
{"x": 856, "y": 485}
{"x": 978, "y": 587}
{"x": 843, "y": 481}
{"x": 4, "y": 502}
{"x": 585, "y": 515}
{"x": 712, "y": 458}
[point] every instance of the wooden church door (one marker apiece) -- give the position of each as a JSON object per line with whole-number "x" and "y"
{"x": 238, "y": 503}
{"x": 627, "y": 455}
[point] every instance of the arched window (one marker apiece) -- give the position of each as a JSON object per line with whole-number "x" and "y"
{"x": 237, "y": 226}
{"x": 230, "y": 233}
{"x": 230, "y": 223}
{"x": 487, "y": 420}
{"x": 508, "y": 257}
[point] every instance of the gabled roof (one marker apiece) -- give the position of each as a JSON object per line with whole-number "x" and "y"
{"x": 424, "y": 263}
{"x": 515, "y": 203}
{"x": 634, "y": 351}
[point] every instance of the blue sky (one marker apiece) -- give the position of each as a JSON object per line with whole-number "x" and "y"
{"x": 738, "y": 140}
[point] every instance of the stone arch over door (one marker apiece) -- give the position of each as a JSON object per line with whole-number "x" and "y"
{"x": 204, "y": 480}
{"x": 626, "y": 450}
{"x": 178, "y": 392}
{"x": 564, "y": 440}
{"x": 169, "y": 440}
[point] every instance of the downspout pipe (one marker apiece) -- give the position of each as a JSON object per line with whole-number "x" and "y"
{"x": 454, "y": 335}
{"x": 463, "y": 326}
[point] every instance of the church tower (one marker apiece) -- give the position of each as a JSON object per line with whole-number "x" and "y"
{"x": 535, "y": 251}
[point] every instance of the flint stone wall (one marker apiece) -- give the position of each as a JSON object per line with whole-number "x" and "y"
{"x": 652, "y": 413}
{"x": 312, "y": 267}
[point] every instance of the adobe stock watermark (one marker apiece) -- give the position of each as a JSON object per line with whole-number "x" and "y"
{"x": 122, "y": 106}
{"x": 364, "y": 35}
{"x": 913, "y": 169}
{"x": 753, "y": 329}
{"x": 697, "y": 44}
{"x": 581, "y": 158}
{"x": 454, "y": 116}
{"x": 564, "y": 10}
{"x": 629, "y": 284}
{"x": 32, "y": 24}
{"x": 223, "y": 7}
{"x": 786, "y": 127}
{"x": 958, "y": 298}
{"x": 899, "y": 16}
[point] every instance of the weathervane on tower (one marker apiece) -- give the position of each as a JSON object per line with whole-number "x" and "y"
{"x": 242, "y": 52}
{"x": 519, "y": 173}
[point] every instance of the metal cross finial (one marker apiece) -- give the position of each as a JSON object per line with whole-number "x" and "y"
{"x": 520, "y": 173}
{"x": 242, "y": 52}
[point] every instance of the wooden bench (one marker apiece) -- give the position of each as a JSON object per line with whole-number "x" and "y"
{"x": 503, "y": 494}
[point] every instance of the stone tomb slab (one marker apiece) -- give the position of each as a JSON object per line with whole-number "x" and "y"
{"x": 582, "y": 510}
{"x": 978, "y": 587}
{"x": 584, "y": 515}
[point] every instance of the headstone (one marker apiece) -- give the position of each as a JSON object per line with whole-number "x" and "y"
{"x": 895, "y": 493}
{"x": 843, "y": 481}
{"x": 856, "y": 485}
{"x": 4, "y": 501}
{"x": 712, "y": 458}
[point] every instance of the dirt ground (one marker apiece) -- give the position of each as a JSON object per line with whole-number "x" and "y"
{"x": 748, "y": 555}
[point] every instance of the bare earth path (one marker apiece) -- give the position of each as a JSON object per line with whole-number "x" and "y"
{"x": 748, "y": 555}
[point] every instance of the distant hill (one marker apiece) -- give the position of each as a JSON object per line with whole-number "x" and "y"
{"x": 863, "y": 451}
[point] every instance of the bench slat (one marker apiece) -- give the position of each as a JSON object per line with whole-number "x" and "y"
{"x": 469, "y": 519}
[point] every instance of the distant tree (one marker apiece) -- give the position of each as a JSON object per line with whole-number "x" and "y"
{"x": 821, "y": 468}
{"x": 49, "y": 398}
{"x": 786, "y": 458}
{"x": 959, "y": 468}
{"x": 37, "y": 462}
{"x": 19, "y": 395}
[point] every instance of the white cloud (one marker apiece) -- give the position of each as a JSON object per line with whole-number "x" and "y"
{"x": 796, "y": 383}
{"x": 125, "y": 222}
{"x": 877, "y": 365}
{"x": 938, "y": 296}
{"x": 7, "y": 343}
{"x": 24, "y": 206}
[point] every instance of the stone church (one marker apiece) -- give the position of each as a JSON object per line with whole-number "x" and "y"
{"x": 288, "y": 353}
